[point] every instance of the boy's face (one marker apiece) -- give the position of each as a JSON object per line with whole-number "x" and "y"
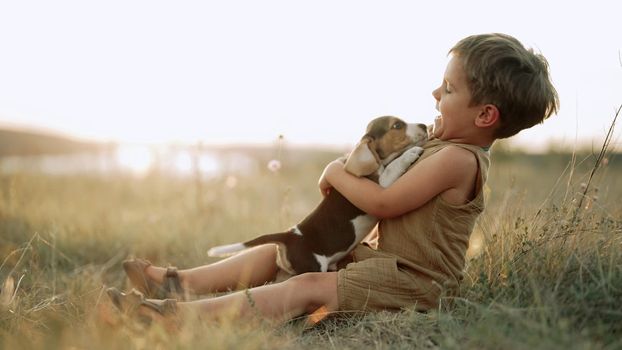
{"x": 457, "y": 120}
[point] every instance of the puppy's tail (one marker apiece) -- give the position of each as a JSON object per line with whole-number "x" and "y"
{"x": 226, "y": 250}
{"x": 230, "y": 249}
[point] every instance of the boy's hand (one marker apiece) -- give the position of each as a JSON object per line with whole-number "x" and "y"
{"x": 331, "y": 168}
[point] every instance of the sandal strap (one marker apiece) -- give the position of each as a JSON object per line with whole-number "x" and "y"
{"x": 172, "y": 284}
{"x": 166, "y": 308}
{"x": 169, "y": 288}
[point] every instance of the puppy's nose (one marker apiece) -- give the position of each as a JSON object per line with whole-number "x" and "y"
{"x": 423, "y": 127}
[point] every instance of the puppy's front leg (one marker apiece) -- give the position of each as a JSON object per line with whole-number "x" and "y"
{"x": 398, "y": 167}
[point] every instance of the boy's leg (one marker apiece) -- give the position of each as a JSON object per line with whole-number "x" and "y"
{"x": 278, "y": 302}
{"x": 253, "y": 267}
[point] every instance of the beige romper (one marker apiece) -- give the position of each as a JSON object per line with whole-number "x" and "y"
{"x": 419, "y": 255}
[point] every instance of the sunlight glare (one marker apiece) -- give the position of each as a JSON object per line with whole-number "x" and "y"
{"x": 192, "y": 163}
{"x": 135, "y": 158}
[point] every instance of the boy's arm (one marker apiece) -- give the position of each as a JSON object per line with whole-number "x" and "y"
{"x": 450, "y": 172}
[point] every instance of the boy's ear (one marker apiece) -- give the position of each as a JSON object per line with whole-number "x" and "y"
{"x": 489, "y": 116}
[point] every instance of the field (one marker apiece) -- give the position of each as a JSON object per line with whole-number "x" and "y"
{"x": 544, "y": 270}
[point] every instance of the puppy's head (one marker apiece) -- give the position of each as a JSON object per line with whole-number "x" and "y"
{"x": 386, "y": 138}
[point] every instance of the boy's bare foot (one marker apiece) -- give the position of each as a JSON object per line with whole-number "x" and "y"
{"x": 168, "y": 286}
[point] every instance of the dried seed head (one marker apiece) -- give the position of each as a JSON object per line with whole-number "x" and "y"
{"x": 274, "y": 165}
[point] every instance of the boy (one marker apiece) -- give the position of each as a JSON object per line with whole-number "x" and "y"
{"x": 492, "y": 88}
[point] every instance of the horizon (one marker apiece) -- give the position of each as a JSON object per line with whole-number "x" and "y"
{"x": 507, "y": 145}
{"x": 228, "y": 74}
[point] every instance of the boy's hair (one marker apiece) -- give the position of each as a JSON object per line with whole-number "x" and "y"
{"x": 502, "y": 72}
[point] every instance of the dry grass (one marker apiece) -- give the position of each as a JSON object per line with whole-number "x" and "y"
{"x": 548, "y": 273}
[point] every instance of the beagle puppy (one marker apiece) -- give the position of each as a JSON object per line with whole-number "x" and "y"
{"x": 336, "y": 226}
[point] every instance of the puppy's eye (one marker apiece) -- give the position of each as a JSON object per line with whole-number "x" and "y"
{"x": 397, "y": 125}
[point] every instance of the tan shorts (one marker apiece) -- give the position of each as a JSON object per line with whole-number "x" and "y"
{"x": 371, "y": 280}
{"x": 374, "y": 281}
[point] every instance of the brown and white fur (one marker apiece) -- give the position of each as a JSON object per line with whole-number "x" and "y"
{"x": 336, "y": 226}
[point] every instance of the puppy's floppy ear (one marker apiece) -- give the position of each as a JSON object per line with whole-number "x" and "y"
{"x": 362, "y": 161}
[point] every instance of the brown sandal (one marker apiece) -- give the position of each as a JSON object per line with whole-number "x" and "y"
{"x": 129, "y": 303}
{"x": 170, "y": 289}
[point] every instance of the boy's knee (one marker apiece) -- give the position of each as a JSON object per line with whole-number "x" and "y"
{"x": 320, "y": 286}
{"x": 312, "y": 279}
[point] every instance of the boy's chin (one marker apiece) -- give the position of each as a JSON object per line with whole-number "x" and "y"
{"x": 436, "y": 129}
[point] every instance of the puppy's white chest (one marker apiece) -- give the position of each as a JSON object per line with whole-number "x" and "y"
{"x": 362, "y": 224}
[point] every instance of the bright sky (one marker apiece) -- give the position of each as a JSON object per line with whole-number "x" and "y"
{"x": 314, "y": 71}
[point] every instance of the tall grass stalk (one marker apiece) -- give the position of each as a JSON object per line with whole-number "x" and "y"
{"x": 597, "y": 163}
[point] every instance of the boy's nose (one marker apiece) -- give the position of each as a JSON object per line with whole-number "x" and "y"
{"x": 436, "y": 94}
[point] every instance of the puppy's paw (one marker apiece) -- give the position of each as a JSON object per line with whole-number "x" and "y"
{"x": 396, "y": 168}
{"x": 410, "y": 155}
